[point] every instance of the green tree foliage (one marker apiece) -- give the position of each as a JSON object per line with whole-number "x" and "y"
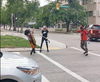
{"x": 26, "y": 11}
{"x": 52, "y": 16}
{"x": 70, "y": 14}
{"x": 3, "y": 16}
{"x": 21, "y": 9}
{"x": 0, "y": 10}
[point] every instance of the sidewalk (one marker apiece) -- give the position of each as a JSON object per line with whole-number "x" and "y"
{"x": 53, "y": 45}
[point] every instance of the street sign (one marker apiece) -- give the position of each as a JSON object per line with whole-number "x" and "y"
{"x": 64, "y": 6}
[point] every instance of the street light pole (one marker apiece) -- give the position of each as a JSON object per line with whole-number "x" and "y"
{"x": 87, "y": 11}
{"x": 12, "y": 22}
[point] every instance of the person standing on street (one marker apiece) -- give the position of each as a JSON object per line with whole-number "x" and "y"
{"x": 31, "y": 39}
{"x": 83, "y": 33}
{"x": 44, "y": 37}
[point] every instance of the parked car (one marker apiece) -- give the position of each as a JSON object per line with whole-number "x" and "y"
{"x": 18, "y": 68}
{"x": 94, "y": 32}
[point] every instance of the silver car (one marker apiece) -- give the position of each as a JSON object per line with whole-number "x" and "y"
{"x": 18, "y": 68}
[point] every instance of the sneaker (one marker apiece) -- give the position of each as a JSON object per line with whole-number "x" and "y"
{"x": 30, "y": 53}
{"x": 86, "y": 55}
{"x": 40, "y": 50}
{"x": 47, "y": 50}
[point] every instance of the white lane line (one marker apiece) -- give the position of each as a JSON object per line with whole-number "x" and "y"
{"x": 44, "y": 79}
{"x": 16, "y": 52}
{"x": 63, "y": 68}
{"x": 83, "y": 51}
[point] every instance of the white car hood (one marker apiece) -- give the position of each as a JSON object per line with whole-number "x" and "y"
{"x": 12, "y": 59}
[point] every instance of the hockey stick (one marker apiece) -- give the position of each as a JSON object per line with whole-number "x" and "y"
{"x": 46, "y": 38}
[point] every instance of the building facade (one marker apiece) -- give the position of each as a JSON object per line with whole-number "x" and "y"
{"x": 94, "y": 10}
{"x": 94, "y": 13}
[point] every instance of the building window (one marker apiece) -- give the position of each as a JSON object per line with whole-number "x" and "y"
{"x": 84, "y": 2}
{"x": 58, "y": 25}
{"x": 90, "y": 13}
{"x": 64, "y": 26}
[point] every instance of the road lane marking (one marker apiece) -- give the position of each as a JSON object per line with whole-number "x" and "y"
{"x": 16, "y": 52}
{"x": 83, "y": 51}
{"x": 44, "y": 79}
{"x": 51, "y": 48}
{"x": 63, "y": 68}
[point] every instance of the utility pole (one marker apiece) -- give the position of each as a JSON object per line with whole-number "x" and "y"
{"x": 87, "y": 11}
{"x": 18, "y": 21}
{"x": 12, "y": 22}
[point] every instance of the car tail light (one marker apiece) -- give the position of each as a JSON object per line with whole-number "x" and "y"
{"x": 30, "y": 71}
{"x": 91, "y": 31}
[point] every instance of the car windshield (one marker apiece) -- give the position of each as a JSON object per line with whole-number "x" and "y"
{"x": 96, "y": 27}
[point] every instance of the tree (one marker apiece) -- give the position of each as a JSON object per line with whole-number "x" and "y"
{"x": 21, "y": 10}
{"x": 3, "y": 16}
{"x": 12, "y": 7}
{"x": 41, "y": 16}
{"x": 67, "y": 14}
{"x": 0, "y": 10}
{"x": 28, "y": 11}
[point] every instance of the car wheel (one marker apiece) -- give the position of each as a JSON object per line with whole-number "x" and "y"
{"x": 96, "y": 39}
{"x": 8, "y": 80}
{"x": 90, "y": 39}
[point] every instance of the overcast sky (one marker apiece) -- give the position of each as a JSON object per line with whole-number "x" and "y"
{"x": 42, "y": 2}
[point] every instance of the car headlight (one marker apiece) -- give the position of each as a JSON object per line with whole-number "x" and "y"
{"x": 28, "y": 70}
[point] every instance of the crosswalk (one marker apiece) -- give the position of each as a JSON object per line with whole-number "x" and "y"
{"x": 68, "y": 71}
{"x": 44, "y": 79}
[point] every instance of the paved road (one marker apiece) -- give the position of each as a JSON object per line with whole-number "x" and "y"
{"x": 69, "y": 64}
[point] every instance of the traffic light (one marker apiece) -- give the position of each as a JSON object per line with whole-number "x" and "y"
{"x": 57, "y": 6}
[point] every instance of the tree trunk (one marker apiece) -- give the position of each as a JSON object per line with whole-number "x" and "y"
{"x": 67, "y": 30}
{"x": 10, "y": 27}
{"x": 67, "y": 24}
{"x": 14, "y": 29}
{"x": 4, "y": 26}
{"x": 22, "y": 26}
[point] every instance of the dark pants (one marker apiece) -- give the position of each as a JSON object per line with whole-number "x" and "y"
{"x": 43, "y": 41}
{"x": 33, "y": 50}
{"x": 84, "y": 46}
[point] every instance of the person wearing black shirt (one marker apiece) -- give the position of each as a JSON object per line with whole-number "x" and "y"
{"x": 44, "y": 37}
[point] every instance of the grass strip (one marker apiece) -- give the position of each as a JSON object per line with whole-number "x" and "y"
{"x": 9, "y": 41}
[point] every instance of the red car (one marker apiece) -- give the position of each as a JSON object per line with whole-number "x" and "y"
{"x": 94, "y": 32}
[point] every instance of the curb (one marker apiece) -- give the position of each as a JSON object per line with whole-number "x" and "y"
{"x": 18, "y": 49}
